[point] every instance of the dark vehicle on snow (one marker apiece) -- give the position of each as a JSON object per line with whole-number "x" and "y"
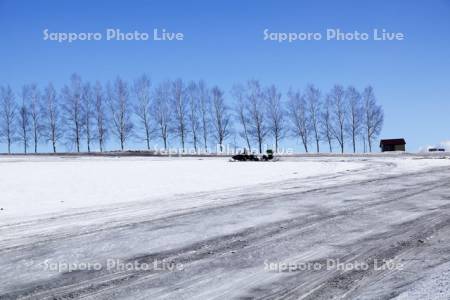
{"x": 252, "y": 157}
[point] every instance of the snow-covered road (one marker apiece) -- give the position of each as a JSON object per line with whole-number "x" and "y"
{"x": 235, "y": 240}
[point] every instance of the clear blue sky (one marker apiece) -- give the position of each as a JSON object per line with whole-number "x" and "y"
{"x": 224, "y": 45}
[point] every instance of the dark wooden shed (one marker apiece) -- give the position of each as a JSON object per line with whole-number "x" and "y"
{"x": 392, "y": 145}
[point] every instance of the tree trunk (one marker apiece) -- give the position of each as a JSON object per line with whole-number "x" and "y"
{"x": 205, "y": 138}
{"x": 305, "y": 145}
{"x": 195, "y": 143}
{"x": 35, "y": 139}
{"x": 182, "y": 140}
{"x": 364, "y": 143}
{"x": 354, "y": 142}
{"x": 148, "y": 138}
{"x": 78, "y": 141}
{"x": 24, "y": 140}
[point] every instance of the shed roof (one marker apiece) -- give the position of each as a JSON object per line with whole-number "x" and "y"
{"x": 393, "y": 142}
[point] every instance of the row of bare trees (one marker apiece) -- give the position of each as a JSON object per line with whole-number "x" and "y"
{"x": 87, "y": 116}
{"x": 339, "y": 116}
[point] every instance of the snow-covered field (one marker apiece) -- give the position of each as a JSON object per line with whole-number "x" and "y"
{"x": 42, "y": 185}
{"x": 208, "y": 228}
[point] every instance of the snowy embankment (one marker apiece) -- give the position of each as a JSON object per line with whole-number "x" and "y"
{"x": 31, "y": 186}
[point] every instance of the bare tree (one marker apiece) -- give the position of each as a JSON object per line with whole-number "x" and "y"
{"x": 8, "y": 112}
{"x": 24, "y": 119}
{"x": 35, "y": 111}
{"x": 179, "y": 104}
{"x": 88, "y": 108}
{"x": 119, "y": 103}
{"x": 363, "y": 137}
{"x": 162, "y": 111}
{"x": 205, "y": 104}
{"x": 298, "y": 113}
{"x": 314, "y": 108}
{"x": 275, "y": 114}
{"x": 194, "y": 112}
{"x": 52, "y": 116}
{"x": 326, "y": 123}
{"x": 258, "y": 126}
{"x": 373, "y": 116}
{"x": 100, "y": 116}
{"x": 354, "y": 114}
{"x": 142, "y": 108}
{"x": 220, "y": 117}
{"x": 238, "y": 92}
{"x": 73, "y": 110}
{"x": 337, "y": 97}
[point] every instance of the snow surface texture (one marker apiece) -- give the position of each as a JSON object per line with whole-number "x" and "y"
{"x": 47, "y": 185}
{"x": 222, "y": 222}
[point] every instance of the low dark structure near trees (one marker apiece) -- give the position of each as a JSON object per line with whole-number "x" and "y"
{"x": 392, "y": 145}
